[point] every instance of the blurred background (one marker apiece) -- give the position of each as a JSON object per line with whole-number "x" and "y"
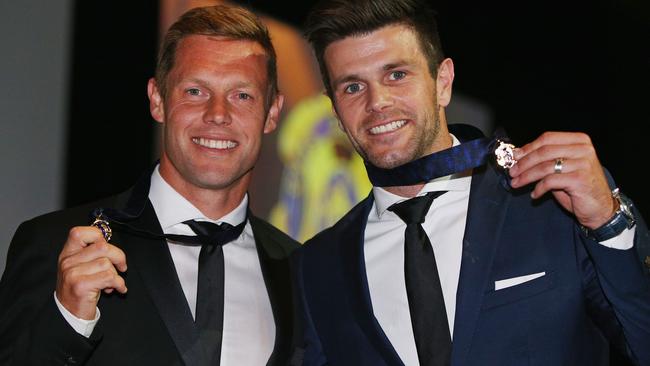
{"x": 75, "y": 124}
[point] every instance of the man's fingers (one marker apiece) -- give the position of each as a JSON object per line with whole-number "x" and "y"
{"x": 557, "y": 182}
{"x": 548, "y": 154}
{"x": 88, "y": 265}
{"x": 110, "y": 251}
{"x": 80, "y": 237}
{"x": 88, "y": 279}
{"x": 112, "y": 280}
{"x": 546, "y": 169}
{"x": 553, "y": 138}
{"x": 99, "y": 249}
{"x": 97, "y": 282}
{"x": 72, "y": 273}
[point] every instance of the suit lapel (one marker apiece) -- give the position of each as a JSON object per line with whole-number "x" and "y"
{"x": 153, "y": 262}
{"x": 354, "y": 267}
{"x": 488, "y": 204}
{"x": 151, "y": 259}
{"x": 277, "y": 278}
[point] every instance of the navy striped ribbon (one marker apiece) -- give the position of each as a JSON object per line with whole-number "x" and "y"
{"x": 468, "y": 155}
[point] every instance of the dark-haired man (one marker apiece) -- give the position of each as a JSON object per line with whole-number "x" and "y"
{"x": 198, "y": 293}
{"x": 453, "y": 259}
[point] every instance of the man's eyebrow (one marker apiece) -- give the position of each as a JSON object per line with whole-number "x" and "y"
{"x": 203, "y": 81}
{"x": 354, "y": 77}
{"x": 396, "y": 65}
{"x": 345, "y": 79}
{"x": 242, "y": 84}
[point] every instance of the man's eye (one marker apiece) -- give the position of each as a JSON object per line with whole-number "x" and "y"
{"x": 397, "y": 75}
{"x": 193, "y": 91}
{"x": 353, "y": 88}
{"x": 244, "y": 96}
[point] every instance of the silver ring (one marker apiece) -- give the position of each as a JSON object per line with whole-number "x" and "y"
{"x": 558, "y": 165}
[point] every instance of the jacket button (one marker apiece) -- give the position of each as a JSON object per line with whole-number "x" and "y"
{"x": 70, "y": 361}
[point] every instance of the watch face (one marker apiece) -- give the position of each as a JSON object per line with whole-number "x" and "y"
{"x": 625, "y": 206}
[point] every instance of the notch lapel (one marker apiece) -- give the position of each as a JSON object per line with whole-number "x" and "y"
{"x": 354, "y": 267}
{"x": 277, "y": 279}
{"x": 488, "y": 204}
{"x": 153, "y": 262}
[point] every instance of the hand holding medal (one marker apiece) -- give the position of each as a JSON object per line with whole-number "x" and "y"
{"x": 88, "y": 265}
{"x": 565, "y": 164}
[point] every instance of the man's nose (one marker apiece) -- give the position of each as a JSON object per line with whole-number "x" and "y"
{"x": 380, "y": 98}
{"x": 217, "y": 111}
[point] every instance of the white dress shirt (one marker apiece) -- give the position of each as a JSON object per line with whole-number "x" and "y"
{"x": 445, "y": 226}
{"x": 248, "y": 325}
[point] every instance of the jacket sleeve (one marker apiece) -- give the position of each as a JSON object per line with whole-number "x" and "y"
{"x": 625, "y": 282}
{"x": 32, "y": 330}
{"x": 312, "y": 350}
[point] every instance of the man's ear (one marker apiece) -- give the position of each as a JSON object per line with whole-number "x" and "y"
{"x": 273, "y": 116}
{"x": 444, "y": 81}
{"x": 156, "y": 105}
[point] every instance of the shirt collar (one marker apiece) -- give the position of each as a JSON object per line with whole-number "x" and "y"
{"x": 172, "y": 208}
{"x": 454, "y": 182}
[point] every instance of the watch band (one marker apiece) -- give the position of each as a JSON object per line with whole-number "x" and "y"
{"x": 623, "y": 219}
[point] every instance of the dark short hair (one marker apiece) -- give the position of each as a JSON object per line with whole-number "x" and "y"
{"x": 220, "y": 21}
{"x": 333, "y": 20}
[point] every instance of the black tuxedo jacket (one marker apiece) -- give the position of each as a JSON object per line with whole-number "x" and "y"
{"x": 152, "y": 323}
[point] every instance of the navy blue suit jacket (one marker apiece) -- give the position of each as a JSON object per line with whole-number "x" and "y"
{"x": 590, "y": 296}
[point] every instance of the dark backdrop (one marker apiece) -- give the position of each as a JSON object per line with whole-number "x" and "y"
{"x": 552, "y": 65}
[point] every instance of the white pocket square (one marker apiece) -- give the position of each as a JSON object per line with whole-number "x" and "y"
{"x": 514, "y": 281}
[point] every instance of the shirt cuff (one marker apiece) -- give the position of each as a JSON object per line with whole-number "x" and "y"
{"x": 81, "y": 326}
{"x": 622, "y": 241}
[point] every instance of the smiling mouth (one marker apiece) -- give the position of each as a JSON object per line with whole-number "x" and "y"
{"x": 388, "y": 127}
{"x": 214, "y": 144}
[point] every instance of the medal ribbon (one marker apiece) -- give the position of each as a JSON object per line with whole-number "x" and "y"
{"x": 467, "y": 155}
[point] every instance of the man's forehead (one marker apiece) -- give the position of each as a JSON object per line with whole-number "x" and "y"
{"x": 379, "y": 50}
{"x": 225, "y": 46}
{"x": 394, "y": 32}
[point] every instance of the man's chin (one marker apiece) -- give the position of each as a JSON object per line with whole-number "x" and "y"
{"x": 388, "y": 156}
{"x": 213, "y": 182}
{"x": 389, "y": 161}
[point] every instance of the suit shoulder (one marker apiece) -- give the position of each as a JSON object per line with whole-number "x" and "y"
{"x": 341, "y": 228}
{"x": 51, "y": 229}
{"x": 271, "y": 234}
{"x": 73, "y": 216}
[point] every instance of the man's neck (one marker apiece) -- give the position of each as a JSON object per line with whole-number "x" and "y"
{"x": 411, "y": 191}
{"x": 212, "y": 202}
{"x": 405, "y": 191}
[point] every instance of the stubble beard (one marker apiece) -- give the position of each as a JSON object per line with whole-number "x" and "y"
{"x": 419, "y": 145}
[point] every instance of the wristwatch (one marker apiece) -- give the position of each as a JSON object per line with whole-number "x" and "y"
{"x": 623, "y": 219}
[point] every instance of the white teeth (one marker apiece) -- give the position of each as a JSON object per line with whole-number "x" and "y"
{"x": 388, "y": 127}
{"x": 215, "y": 144}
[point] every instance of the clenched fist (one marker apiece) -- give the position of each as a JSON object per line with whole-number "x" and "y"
{"x": 87, "y": 266}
